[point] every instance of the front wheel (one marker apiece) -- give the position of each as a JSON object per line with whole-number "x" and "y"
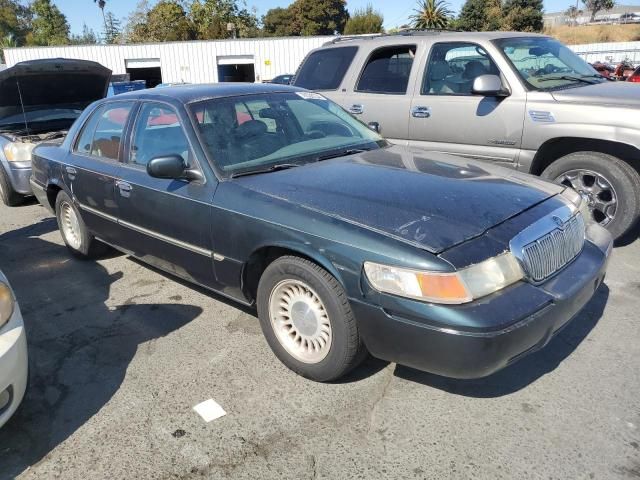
{"x": 7, "y": 195}
{"x": 609, "y": 185}
{"x": 307, "y": 320}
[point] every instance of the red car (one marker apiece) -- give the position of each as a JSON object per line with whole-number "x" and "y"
{"x": 635, "y": 76}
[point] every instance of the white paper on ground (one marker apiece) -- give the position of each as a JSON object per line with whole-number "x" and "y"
{"x": 209, "y": 410}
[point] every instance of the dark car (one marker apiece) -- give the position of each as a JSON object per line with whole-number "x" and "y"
{"x": 281, "y": 79}
{"x": 276, "y": 197}
{"x": 39, "y": 101}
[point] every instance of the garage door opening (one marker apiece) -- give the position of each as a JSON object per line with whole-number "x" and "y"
{"x": 236, "y": 73}
{"x": 147, "y": 69}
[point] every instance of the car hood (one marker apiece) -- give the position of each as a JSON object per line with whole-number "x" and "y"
{"x": 430, "y": 200}
{"x": 56, "y": 82}
{"x": 621, "y": 94}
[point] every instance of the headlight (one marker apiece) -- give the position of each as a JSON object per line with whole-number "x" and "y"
{"x": 18, "y": 151}
{"x": 579, "y": 202}
{"x": 457, "y": 287}
{"x": 6, "y": 304}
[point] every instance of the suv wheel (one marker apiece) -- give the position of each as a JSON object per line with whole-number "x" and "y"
{"x": 610, "y": 185}
{"x": 307, "y": 320}
{"x": 8, "y": 196}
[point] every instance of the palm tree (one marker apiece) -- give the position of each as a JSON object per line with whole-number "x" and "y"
{"x": 431, "y": 14}
{"x": 101, "y": 5}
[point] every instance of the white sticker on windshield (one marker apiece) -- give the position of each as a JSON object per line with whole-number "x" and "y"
{"x": 310, "y": 96}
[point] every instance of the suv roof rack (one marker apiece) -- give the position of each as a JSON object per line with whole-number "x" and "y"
{"x": 404, "y": 32}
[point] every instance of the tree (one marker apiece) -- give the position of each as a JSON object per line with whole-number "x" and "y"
{"x": 49, "y": 25}
{"x": 278, "y": 22}
{"x": 135, "y": 28}
{"x": 165, "y": 22}
{"x": 365, "y": 20}
{"x": 319, "y": 17}
{"x": 112, "y": 29}
{"x": 209, "y": 19}
{"x": 87, "y": 37}
{"x": 431, "y": 14}
{"x": 473, "y": 16}
{"x": 572, "y": 13}
{"x": 594, "y": 6}
{"x": 101, "y": 4}
{"x": 522, "y": 15}
{"x": 14, "y": 22}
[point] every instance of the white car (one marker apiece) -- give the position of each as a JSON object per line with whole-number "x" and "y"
{"x": 13, "y": 353}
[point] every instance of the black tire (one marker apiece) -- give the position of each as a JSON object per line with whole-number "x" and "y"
{"x": 346, "y": 350}
{"x": 7, "y": 194}
{"x": 624, "y": 179}
{"x": 88, "y": 247}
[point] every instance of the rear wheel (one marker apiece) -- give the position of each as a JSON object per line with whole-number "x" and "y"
{"x": 610, "y": 186}
{"x": 8, "y": 196}
{"x": 307, "y": 320}
{"x": 74, "y": 232}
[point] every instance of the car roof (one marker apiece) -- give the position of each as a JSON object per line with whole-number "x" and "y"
{"x": 417, "y": 36}
{"x": 196, "y": 92}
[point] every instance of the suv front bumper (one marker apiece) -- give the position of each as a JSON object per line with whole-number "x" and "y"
{"x": 404, "y": 331}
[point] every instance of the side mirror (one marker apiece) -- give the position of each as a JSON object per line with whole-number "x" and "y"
{"x": 375, "y": 126}
{"x": 168, "y": 166}
{"x": 489, "y": 86}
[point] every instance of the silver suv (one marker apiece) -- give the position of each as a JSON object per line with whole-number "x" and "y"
{"x": 522, "y": 100}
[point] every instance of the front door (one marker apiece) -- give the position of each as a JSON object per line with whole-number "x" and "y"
{"x": 447, "y": 117}
{"x": 382, "y": 92}
{"x": 165, "y": 221}
{"x": 92, "y": 167}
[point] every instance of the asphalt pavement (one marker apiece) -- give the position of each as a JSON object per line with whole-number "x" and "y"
{"x": 120, "y": 353}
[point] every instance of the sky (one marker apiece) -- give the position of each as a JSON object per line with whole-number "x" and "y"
{"x": 395, "y": 12}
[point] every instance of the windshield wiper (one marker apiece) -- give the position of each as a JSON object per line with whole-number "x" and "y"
{"x": 568, "y": 77}
{"x": 341, "y": 153}
{"x": 272, "y": 168}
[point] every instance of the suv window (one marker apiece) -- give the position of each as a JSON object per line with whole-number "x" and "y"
{"x": 158, "y": 132}
{"x": 453, "y": 67}
{"x": 324, "y": 69}
{"x": 106, "y": 139}
{"x": 387, "y": 70}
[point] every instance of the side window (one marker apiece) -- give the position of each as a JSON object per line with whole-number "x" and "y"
{"x": 387, "y": 70}
{"x": 109, "y": 130}
{"x": 324, "y": 69}
{"x": 158, "y": 132}
{"x": 453, "y": 67}
{"x": 83, "y": 143}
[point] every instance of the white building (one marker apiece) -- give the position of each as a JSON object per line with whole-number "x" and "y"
{"x": 244, "y": 60}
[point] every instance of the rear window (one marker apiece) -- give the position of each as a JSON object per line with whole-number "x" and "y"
{"x": 324, "y": 69}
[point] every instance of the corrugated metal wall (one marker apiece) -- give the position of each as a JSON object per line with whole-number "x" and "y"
{"x": 609, "y": 52}
{"x": 194, "y": 62}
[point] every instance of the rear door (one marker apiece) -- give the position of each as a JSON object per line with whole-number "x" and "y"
{"x": 166, "y": 222}
{"x": 382, "y": 91}
{"x": 447, "y": 117}
{"x": 93, "y": 164}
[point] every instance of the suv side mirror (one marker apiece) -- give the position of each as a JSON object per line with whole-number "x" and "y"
{"x": 167, "y": 166}
{"x": 489, "y": 86}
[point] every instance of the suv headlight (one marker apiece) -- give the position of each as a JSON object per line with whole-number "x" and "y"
{"x": 18, "y": 151}
{"x": 579, "y": 202}
{"x": 7, "y": 303}
{"x": 457, "y": 287}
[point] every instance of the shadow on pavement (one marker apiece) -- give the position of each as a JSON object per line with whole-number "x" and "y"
{"x": 528, "y": 369}
{"x": 79, "y": 348}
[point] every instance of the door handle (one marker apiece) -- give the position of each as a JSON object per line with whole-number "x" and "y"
{"x": 71, "y": 170}
{"x": 356, "y": 109}
{"x": 124, "y": 187}
{"x": 421, "y": 112}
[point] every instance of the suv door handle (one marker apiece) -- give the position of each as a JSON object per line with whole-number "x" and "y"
{"x": 421, "y": 112}
{"x": 124, "y": 187}
{"x": 356, "y": 109}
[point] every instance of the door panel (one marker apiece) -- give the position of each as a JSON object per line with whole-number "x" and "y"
{"x": 447, "y": 117}
{"x": 165, "y": 222}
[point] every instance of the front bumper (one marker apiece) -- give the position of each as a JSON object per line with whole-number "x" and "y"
{"x": 19, "y": 174}
{"x": 480, "y": 338}
{"x": 14, "y": 364}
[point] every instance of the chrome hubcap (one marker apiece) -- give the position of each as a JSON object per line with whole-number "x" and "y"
{"x": 596, "y": 190}
{"x": 70, "y": 226}
{"x": 300, "y": 321}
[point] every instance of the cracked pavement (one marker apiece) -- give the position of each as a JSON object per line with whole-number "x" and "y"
{"x": 120, "y": 353}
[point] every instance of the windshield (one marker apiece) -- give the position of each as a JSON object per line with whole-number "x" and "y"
{"x": 546, "y": 64}
{"x": 257, "y": 132}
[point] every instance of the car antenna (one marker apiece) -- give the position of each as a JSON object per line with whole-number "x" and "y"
{"x": 24, "y": 113}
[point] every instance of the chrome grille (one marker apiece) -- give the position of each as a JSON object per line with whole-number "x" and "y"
{"x": 549, "y": 253}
